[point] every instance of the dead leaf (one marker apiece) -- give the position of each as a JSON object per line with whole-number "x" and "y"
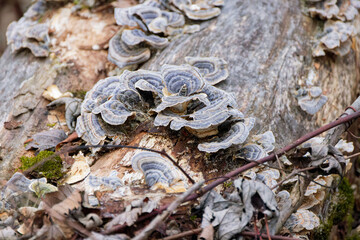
{"x": 8, "y": 233}
{"x": 207, "y": 233}
{"x": 12, "y": 125}
{"x": 231, "y": 215}
{"x": 132, "y": 212}
{"x": 72, "y": 137}
{"x": 50, "y": 230}
{"x": 47, "y": 139}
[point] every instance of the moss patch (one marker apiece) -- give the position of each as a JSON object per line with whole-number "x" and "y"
{"x": 341, "y": 210}
{"x": 79, "y": 94}
{"x": 51, "y": 170}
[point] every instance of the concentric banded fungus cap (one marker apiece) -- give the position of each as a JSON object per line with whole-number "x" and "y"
{"x": 266, "y": 140}
{"x": 182, "y": 80}
{"x": 156, "y": 168}
{"x": 29, "y": 34}
{"x": 194, "y": 12}
{"x": 143, "y": 80}
{"x": 173, "y": 19}
{"x": 136, "y": 36}
{"x": 237, "y": 134}
{"x": 204, "y": 121}
{"x": 251, "y": 152}
{"x": 179, "y": 104}
{"x": 89, "y": 129}
{"x": 136, "y": 15}
{"x": 113, "y": 112}
{"x": 100, "y": 93}
{"x": 123, "y": 55}
{"x": 214, "y": 70}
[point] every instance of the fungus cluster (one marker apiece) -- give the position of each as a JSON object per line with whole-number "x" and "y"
{"x": 147, "y": 25}
{"x": 339, "y": 27}
{"x": 27, "y": 33}
{"x": 179, "y": 96}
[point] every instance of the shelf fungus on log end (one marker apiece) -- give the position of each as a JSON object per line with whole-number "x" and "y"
{"x": 214, "y": 70}
{"x": 158, "y": 171}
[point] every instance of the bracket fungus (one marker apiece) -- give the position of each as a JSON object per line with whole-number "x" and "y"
{"x": 214, "y": 70}
{"x": 133, "y": 44}
{"x": 237, "y": 134}
{"x": 158, "y": 171}
{"x": 180, "y": 98}
{"x": 344, "y": 10}
{"x": 336, "y": 39}
{"x": 311, "y": 100}
{"x": 258, "y": 147}
{"x": 30, "y": 34}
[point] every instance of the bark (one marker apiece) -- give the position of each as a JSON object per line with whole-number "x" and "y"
{"x": 266, "y": 44}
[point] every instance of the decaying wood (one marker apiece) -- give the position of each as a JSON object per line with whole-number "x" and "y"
{"x": 266, "y": 44}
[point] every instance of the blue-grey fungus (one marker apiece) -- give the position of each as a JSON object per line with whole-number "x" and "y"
{"x": 214, "y": 70}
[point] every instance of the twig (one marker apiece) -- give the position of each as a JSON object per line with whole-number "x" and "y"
{"x": 293, "y": 173}
{"x": 267, "y": 227}
{"x": 353, "y": 155}
{"x": 183, "y": 234}
{"x": 165, "y": 214}
{"x": 273, "y": 237}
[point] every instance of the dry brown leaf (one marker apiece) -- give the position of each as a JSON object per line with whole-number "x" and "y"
{"x": 51, "y": 230}
{"x": 207, "y": 233}
{"x": 72, "y": 137}
{"x": 12, "y": 125}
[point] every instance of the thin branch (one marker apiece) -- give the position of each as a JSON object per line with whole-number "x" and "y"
{"x": 351, "y": 156}
{"x": 293, "y": 173}
{"x": 165, "y": 214}
{"x": 183, "y": 234}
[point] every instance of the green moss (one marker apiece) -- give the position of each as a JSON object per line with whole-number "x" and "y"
{"x": 50, "y": 169}
{"x": 323, "y": 231}
{"x": 345, "y": 202}
{"x": 353, "y": 237}
{"x": 341, "y": 211}
{"x": 51, "y": 124}
{"x": 79, "y": 94}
